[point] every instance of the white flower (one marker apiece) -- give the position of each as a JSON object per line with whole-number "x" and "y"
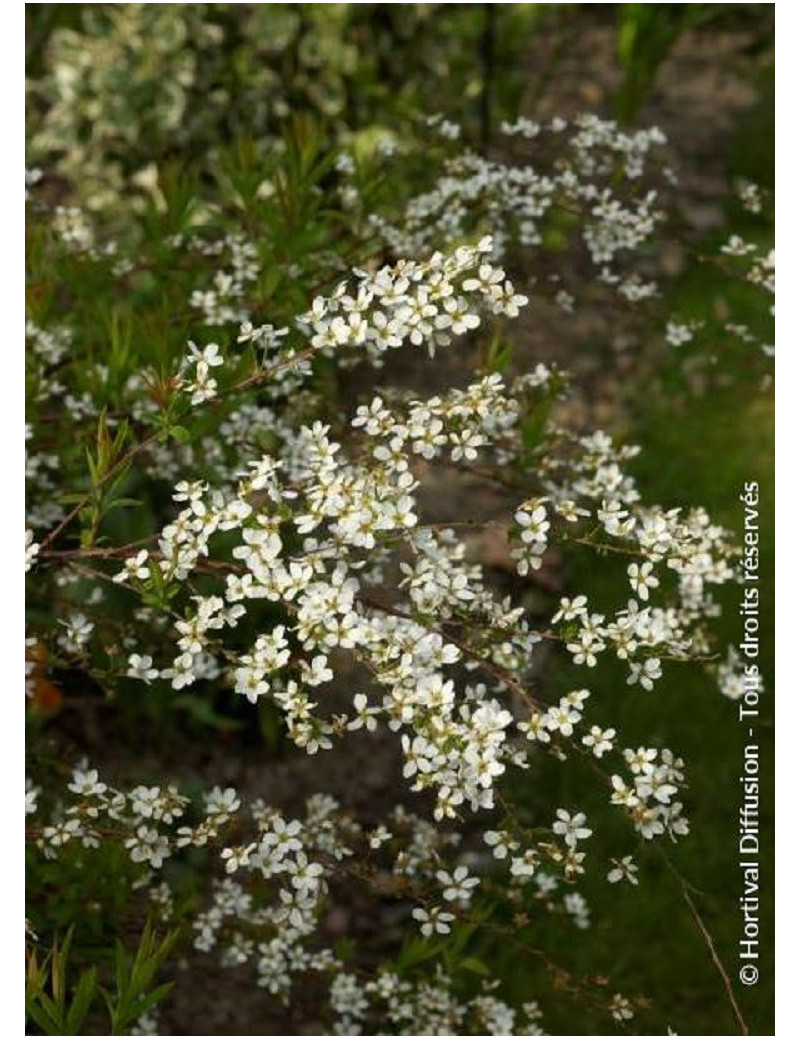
{"x": 365, "y": 715}
{"x": 305, "y": 876}
{"x": 86, "y": 783}
{"x": 623, "y": 869}
{"x": 562, "y": 718}
{"x": 237, "y": 857}
{"x": 282, "y": 837}
{"x": 642, "y": 579}
{"x": 148, "y": 846}
{"x": 599, "y": 740}
{"x": 456, "y": 887}
{"x": 500, "y": 843}
{"x": 644, "y": 673}
{"x": 134, "y": 567}
{"x": 31, "y": 549}
{"x": 524, "y": 865}
{"x": 379, "y": 837}
{"x": 678, "y": 333}
{"x": 571, "y": 828}
{"x": 533, "y": 523}
{"x": 222, "y": 803}
{"x": 577, "y": 907}
{"x": 31, "y": 796}
{"x": 620, "y": 1008}
{"x": 570, "y": 608}
{"x": 140, "y": 666}
{"x": 61, "y": 833}
{"x": 641, "y": 760}
{"x": 78, "y": 630}
{"x": 209, "y": 355}
{"x": 318, "y": 672}
{"x": 203, "y": 387}
{"x": 433, "y": 921}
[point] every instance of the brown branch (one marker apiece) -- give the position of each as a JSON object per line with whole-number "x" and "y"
{"x": 709, "y": 941}
{"x": 112, "y": 472}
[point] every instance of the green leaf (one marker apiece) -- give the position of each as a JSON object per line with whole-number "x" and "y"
{"x": 460, "y": 936}
{"x": 133, "y": 980}
{"x": 180, "y": 434}
{"x": 474, "y": 965}
{"x": 84, "y": 994}
{"x": 119, "y": 503}
{"x": 121, "y": 963}
{"x": 417, "y": 950}
{"x": 201, "y": 710}
{"x": 48, "y": 1025}
{"x": 154, "y": 997}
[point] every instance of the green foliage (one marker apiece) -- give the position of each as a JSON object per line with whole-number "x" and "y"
{"x": 59, "y": 1008}
{"x": 59, "y": 1012}
{"x": 135, "y": 991}
{"x": 646, "y": 33}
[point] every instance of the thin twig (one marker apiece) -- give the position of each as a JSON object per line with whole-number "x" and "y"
{"x": 709, "y": 941}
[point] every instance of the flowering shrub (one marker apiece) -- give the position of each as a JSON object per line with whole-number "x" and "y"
{"x": 219, "y": 520}
{"x": 125, "y": 88}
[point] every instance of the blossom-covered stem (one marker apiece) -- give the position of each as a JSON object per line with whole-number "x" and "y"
{"x": 556, "y": 971}
{"x": 500, "y": 674}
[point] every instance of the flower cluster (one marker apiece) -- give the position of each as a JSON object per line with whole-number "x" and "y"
{"x": 579, "y": 174}
{"x": 419, "y": 303}
{"x": 267, "y": 908}
{"x": 312, "y": 530}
